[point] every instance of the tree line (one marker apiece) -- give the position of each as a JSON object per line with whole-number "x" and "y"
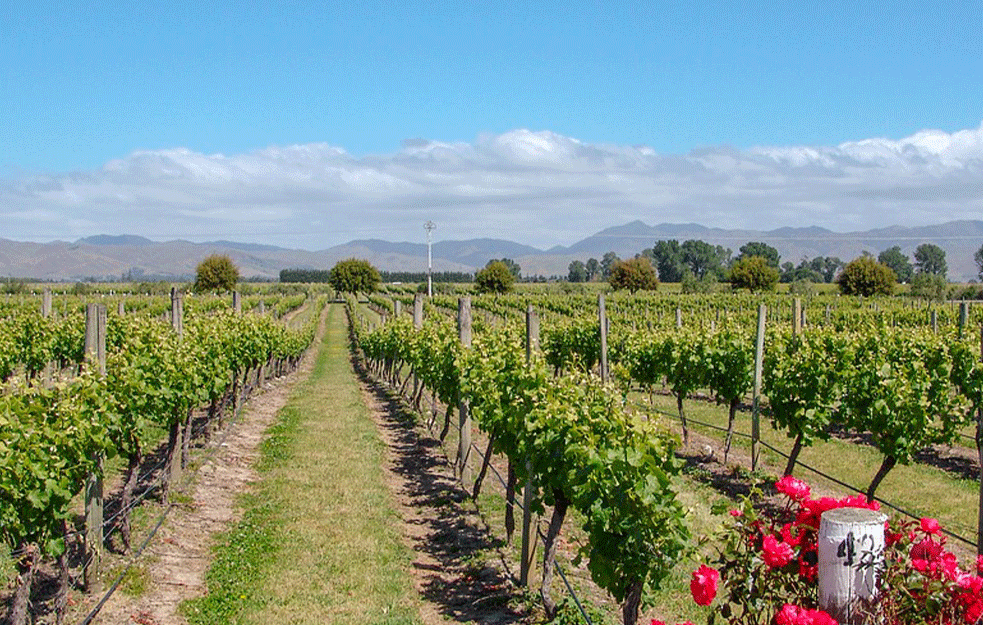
{"x": 697, "y": 265}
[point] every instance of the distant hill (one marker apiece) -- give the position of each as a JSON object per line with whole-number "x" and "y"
{"x": 112, "y": 257}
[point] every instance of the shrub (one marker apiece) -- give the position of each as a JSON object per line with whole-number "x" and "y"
{"x": 635, "y": 274}
{"x": 496, "y": 277}
{"x": 865, "y": 276}
{"x": 753, "y": 273}
{"x": 216, "y": 273}
{"x": 354, "y": 276}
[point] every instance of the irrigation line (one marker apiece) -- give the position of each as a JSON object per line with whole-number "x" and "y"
{"x": 112, "y": 589}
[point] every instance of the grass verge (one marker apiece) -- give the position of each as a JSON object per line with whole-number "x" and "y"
{"x": 318, "y": 541}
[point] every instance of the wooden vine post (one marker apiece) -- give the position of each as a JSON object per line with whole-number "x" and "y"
{"x": 796, "y": 315}
{"x": 759, "y": 353}
{"x": 851, "y": 555}
{"x": 603, "y": 323}
{"x": 963, "y": 317}
{"x": 237, "y": 302}
{"x": 177, "y": 311}
{"x": 417, "y": 325}
{"x": 176, "y": 442}
{"x": 46, "y": 313}
{"x": 528, "y": 538}
{"x": 464, "y": 413}
{"x": 95, "y": 353}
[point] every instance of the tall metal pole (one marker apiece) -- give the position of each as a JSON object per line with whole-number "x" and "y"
{"x": 429, "y": 226}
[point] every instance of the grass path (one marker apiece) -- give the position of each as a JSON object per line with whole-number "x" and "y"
{"x": 319, "y": 541}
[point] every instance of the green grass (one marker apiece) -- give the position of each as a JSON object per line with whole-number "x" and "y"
{"x": 318, "y": 541}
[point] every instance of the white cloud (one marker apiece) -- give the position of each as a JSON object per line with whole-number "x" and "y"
{"x": 540, "y": 188}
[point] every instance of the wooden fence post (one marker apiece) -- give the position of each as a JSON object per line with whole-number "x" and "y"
{"x": 417, "y": 325}
{"x": 759, "y": 350}
{"x": 602, "y": 317}
{"x": 177, "y": 311}
{"x": 851, "y": 554}
{"x": 528, "y": 523}
{"x": 95, "y": 352}
{"x": 464, "y": 413}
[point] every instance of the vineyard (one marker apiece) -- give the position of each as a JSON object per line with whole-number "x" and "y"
{"x": 86, "y": 391}
{"x": 573, "y": 407}
{"x": 588, "y": 404}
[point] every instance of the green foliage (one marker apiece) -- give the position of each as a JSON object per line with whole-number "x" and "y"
{"x": 668, "y": 260}
{"x": 978, "y": 259}
{"x": 581, "y": 445}
{"x": 635, "y": 274}
{"x": 577, "y": 272}
{"x": 928, "y": 286}
{"x": 758, "y": 248}
{"x": 899, "y": 389}
{"x": 354, "y": 275}
{"x": 81, "y": 288}
{"x": 702, "y": 259}
{"x": 803, "y": 377}
{"x": 802, "y": 287}
{"x": 691, "y": 284}
{"x": 753, "y": 273}
{"x": 865, "y": 276}
{"x": 898, "y": 262}
{"x": 322, "y": 276}
{"x": 216, "y": 273}
{"x": 496, "y": 277}
{"x": 513, "y": 266}
{"x": 930, "y": 258}
{"x": 13, "y": 286}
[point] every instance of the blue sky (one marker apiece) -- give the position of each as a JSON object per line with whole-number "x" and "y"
{"x": 85, "y": 85}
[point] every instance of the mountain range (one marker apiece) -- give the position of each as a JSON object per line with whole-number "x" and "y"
{"x": 135, "y": 257}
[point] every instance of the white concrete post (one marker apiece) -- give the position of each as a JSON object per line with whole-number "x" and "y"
{"x": 851, "y": 556}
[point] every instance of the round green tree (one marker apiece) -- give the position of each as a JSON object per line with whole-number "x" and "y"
{"x": 496, "y": 277}
{"x": 354, "y": 276}
{"x": 216, "y": 273}
{"x": 754, "y": 273}
{"x": 635, "y": 274}
{"x": 865, "y": 276}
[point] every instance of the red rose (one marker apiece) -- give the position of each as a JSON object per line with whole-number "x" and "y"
{"x": 792, "y": 487}
{"x": 704, "y": 585}
{"x": 776, "y": 554}
{"x": 930, "y": 525}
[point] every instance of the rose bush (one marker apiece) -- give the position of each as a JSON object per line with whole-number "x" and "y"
{"x": 765, "y": 569}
